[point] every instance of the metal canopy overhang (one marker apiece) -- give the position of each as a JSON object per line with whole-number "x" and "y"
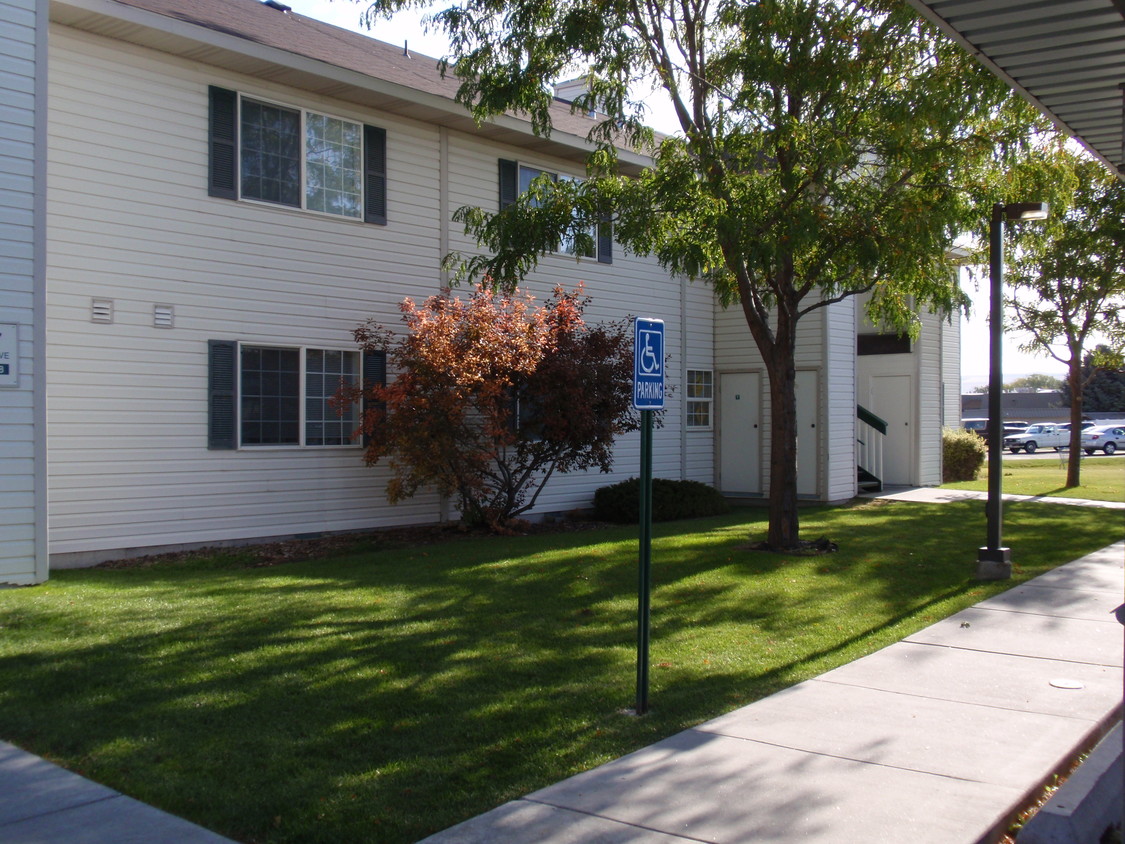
{"x": 1067, "y": 57}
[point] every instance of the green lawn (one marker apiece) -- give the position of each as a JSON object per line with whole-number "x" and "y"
{"x": 391, "y": 691}
{"x": 1103, "y": 478}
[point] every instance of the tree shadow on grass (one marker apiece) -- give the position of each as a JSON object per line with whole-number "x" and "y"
{"x": 382, "y": 696}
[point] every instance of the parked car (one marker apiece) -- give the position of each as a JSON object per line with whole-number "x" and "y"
{"x": 1039, "y": 436}
{"x": 979, "y": 426}
{"x": 1108, "y": 438}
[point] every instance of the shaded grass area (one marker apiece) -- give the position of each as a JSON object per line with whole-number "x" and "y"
{"x": 392, "y": 691}
{"x": 1103, "y": 478}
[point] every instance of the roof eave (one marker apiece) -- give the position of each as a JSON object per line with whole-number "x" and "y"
{"x": 240, "y": 55}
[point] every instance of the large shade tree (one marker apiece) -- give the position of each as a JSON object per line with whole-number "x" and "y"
{"x": 1067, "y": 276}
{"x": 826, "y": 148}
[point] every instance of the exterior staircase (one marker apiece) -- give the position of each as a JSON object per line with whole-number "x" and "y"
{"x": 871, "y": 432}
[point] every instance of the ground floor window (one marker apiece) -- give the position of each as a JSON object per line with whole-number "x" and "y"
{"x": 279, "y": 395}
{"x": 700, "y": 397}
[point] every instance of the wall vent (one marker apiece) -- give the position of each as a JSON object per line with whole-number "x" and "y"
{"x": 163, "y": 316}
{"x": 101, "y": 310}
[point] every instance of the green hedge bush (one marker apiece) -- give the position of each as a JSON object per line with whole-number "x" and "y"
{"x": 670, "y": 500}
{"x": 963, "y": 454}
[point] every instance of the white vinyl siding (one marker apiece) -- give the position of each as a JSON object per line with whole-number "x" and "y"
{"x": 23, "y": 512}
{"x": 934, "y": 368}
{"x": 839, "y": 413}
{"x": 130, "y": 220}
{"x": 697, "y": 348}
{"x": 735, "y": 351}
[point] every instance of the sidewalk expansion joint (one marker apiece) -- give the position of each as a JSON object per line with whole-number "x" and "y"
{"x": 871, "y": 762}
{"x": 60, "y": 811}
{"x": 981, "y": 704}
{"x": 984, "y": 650}
{"x": 615, "y": 820}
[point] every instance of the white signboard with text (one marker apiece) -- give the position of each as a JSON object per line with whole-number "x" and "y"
{"x": 9, "y": 355}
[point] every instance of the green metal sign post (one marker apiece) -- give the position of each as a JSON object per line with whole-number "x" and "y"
{"x": 644, "y": 587}
{"x": 648, "y": 396}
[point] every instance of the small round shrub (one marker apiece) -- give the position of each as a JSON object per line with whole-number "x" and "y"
{"x": 671, "y": 500}
{"x": 963, "y": 454}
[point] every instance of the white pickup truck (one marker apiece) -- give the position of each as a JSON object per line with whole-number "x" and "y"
{"x": 1039, "y": 436}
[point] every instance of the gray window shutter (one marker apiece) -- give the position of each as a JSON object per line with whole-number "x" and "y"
{"x": 223, "y": 140}
{"x": 605, "y": 241}
{"x": 221, "y": 361}
{"x": 375, "y": 175}
{"x": 374, "y": 372}
{"x": 509, "y": 182}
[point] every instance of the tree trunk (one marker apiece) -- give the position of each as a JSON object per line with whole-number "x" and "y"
{"x": 1074, "y": 379}
{"x": 784, "y": 524}
{"x": 784, "y": 528}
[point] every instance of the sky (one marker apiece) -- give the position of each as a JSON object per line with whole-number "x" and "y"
{"x": 407, "y": 27}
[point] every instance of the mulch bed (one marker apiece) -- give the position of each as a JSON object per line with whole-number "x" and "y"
{"x": 294, "y": 550}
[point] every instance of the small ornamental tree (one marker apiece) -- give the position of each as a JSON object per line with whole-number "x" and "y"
{"x": 492, "y": 396}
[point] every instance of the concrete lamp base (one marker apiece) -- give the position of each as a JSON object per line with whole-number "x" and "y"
{"x": 994, "y": 564}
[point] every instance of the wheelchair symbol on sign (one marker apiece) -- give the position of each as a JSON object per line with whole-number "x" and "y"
{"x": 648, "y": 359}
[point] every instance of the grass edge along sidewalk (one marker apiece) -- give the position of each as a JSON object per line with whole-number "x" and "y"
{"x": 1103, "y": 478}
{"x": 390, "y": 692}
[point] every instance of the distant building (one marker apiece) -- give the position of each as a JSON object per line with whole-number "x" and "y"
{"x": 1045, "y": 406}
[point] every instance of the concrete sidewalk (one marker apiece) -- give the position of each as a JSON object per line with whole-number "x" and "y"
{"x": 938, "y": 738}
{"x": 41, "y": 803}
{"x": 934, "y": 495}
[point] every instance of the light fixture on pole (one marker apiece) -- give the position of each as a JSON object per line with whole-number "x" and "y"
{"x": 994, "y": 562}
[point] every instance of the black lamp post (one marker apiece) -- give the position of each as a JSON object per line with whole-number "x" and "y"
{"x": 994, "y": 562}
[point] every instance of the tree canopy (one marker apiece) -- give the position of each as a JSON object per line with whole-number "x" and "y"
{"x": 1103, "y": 388}
{"x": 826, "y": 148}
{"x": 1067, "y": 275}
{"x": 1029, "y": 384}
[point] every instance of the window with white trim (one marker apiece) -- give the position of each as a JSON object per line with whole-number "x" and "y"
{"x": 284, "y": 396}
{"x": 283, "y": 155}
{"x": 264, "y": 395}
{"x": 516, "y": 179}
{"x": 700, "y": 398}
{"x": 569, "y": 245}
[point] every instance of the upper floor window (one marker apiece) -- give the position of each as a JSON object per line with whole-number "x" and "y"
{"x": 299, "y": 158}
{"x": 516, "y": 178}
{"x": 882, "y": 344}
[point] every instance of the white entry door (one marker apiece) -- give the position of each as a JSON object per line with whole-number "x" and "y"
{"x": 808, "y": 448}
{"x": 892, "y": 400}
{"x": 740, "y": 443}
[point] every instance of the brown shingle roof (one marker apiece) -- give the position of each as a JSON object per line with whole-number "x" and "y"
{"x": 293, "y": 33}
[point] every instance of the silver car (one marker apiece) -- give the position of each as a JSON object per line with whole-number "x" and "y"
{"x": 1108, "y": 438}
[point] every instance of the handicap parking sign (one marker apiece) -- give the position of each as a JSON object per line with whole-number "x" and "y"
{"x": 648, "y": 364}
